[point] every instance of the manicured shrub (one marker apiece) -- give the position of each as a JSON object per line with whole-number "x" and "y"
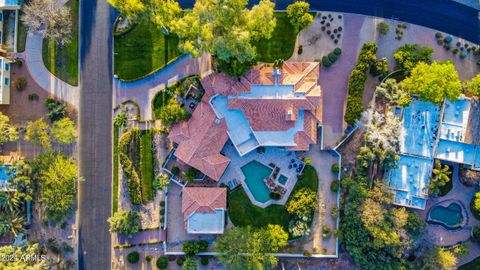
{"x": 20, "y": 83}
{"x": 175, "y": 170}
{"x": 383, "y": 28}
{"x": 180, "y": 261}
{"x": 476, "y": 233}
{"x": 334, "y": 212}
{"x": 133, "y": 257}
{"x": 148, "y": 258}
{"x": 275, "y": 196}
{"x": 192, "y": 248}
{"x": 337, "y": 51}
{"x": 475, "y": 205}
{"x": 335, "y": 186}
{"x": 326, "y": 231}
{"x": 335, "y": 168}
{"x": 463, "y": 54}
{"x": 438, "y": 35}
{"x": 448, "y": 39}
{"x": 300, "y": 49}
{"x": 204, "y": 260}
{"x": 162, "y": 204}
{"x": 455, "y": 50}
{"x": 162, "y": 262}
{"x": 332, "y": 57}
{"x": 326, "y": 62}
{"x": 307, "y": 253}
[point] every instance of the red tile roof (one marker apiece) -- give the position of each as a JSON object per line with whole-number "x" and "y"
{"x": 202, "y": 200}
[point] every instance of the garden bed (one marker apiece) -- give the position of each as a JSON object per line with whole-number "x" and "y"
{"x": 63, "y": 61}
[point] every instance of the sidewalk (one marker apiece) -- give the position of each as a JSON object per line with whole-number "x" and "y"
{"x": 143, "y": 91}
{"x": 43, "y": 77}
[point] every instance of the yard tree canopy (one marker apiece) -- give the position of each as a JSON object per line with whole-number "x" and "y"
{"x": 302, "y": 202}
{"x": 8, "y": 131}
{"x": 409, "y": 55}
{"x": 225, "y": 29}
{"x": 38, "y": 133}
{"x": 58, "y": 187}
{"x": 299, "y": 16}
{"x": 161, "y": 12}
{"x": 434, "y": 82}
{"x": 64, "y": 131}
{"x": 258, "y": 243}
{"x": 125, "y": 222}
{"x": 439, "y": 258}
{"x": 172, "y": 113}
{"x": 473, "y": 86}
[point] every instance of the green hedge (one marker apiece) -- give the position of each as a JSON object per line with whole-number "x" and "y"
{"x": 115, "y": 170}
{"x": 133, "y": 179}
{"x": 147, "y": 164}
{"x": 356, "y": 83}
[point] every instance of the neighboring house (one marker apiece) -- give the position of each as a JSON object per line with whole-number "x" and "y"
{"x": 9, "y": 24}
{"x": 450, "y": 132}
{"x": 266, "y": 107}
{"x": 5, "y": 81}
{"x": 204, "y": 209}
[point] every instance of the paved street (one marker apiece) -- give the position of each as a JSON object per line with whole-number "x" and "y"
{"x": 444, "y": 15}
{"x": 95, "y": 144}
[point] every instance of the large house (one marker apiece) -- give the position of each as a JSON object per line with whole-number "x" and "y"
{"x": 203, "y": 209}
{"x": 268, "y": 106}
{"x": 8, "y": 29}
{"x": 448, "y": 132}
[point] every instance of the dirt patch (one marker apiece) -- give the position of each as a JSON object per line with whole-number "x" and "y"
{"x": 351, "y": 148}
{"x": 21, "y": 109}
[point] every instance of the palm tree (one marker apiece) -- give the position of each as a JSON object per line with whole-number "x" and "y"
{"x": 441, "y": 174}
{"x": 17, "y": 222}
{"x": 8, "y": 201}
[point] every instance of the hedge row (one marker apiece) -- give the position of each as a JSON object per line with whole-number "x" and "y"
{"x": 356, "y": 82}
{"x": 133, "y": 180}
{"x": 331, "y": 58}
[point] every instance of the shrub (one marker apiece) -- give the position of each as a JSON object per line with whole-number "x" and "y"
{"x": 326, "y": 232}
{"x": 379, "y": 68}
{"x": 335, "y": 168}
{"x": 383, "y": 28}
{"x": 335, "y": 186}
{"x": 307, "y": 253}
{"x": 204, "y": 260}
{"x": 475, "y": 205}
{"x": 275, "y": 196}
{"x": 175, "y": 170}
{"x": 133, "y": 257}
{"x": 162, "y": 204}
{"x": 180, "y": 261}
{"x": 334, "y": 212}
{"x": 300, "y": 49}
{"x": 447, "y": 39}
{"x": 326, "y": 62}
{"x": 463, "y": 55}
{"x": 192, "y": 248}
{"x": 332, "y": 57}
{"x": 148, "y": 258}
{"x": 162, "y": 262}
{"x": 56, "y": 109}
{"x": 455, "y": 51}
{"x": 438, "y": 35}
{"x": 337, "y": 51}
{"x": 20, "y": 83}
{"x": 476, "y": 233}
{"x": 33, "y": 97}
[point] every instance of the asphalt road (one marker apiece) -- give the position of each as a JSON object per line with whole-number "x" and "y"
{"x": 444, "y": 15}
{"x": 95, "y": 142}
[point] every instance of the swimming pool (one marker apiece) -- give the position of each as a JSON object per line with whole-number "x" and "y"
{"x": 255, "y": 172}
{"x": 5, "y": 174}
{"x": 450, "y": 217}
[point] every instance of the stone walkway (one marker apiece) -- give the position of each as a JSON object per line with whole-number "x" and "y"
{"x": 143, "y": 91}
{"x": 43, "y": 77}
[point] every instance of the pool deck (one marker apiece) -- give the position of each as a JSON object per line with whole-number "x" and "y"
{"x": 280, "y": 157}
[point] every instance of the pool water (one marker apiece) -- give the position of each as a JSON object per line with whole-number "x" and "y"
{"x": 5, "y": 174}
{"x": 255, "y": 172}
{"x": 450, "y": 217}
{"x": 282, "y": 179}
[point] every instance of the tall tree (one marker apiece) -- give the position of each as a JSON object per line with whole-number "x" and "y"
{"x": 58, "y": 187}
{"x": 64, "y": 131}
{"x": 125, "y": 222}
{"x": 226, "y": 29}
{"x": 299, "y": 16}
{"x": 473, "y": 86}
{"x": 409, "y": 55}
{"x": 8, "y": 132}
{"x": 52, "y": 14}
{"x": 38, "y": 133}
{"x": 434, "y": 82}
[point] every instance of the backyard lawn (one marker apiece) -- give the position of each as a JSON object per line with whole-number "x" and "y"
{"x": 63, "y": 61}
{"x": 115, "y": 170}
{"x": 282, "y": 43}
{"x": 146, "y": 165}
{"x": 142, "y": 51}
{"x": 242, "y": 212}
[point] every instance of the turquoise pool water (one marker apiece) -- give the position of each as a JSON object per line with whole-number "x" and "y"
{"x": 255, "y": 172}
{"x": 450, "y": 217}
{"x": 282, "y": 179}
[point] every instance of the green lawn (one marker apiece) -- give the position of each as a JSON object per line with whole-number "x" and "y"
{"x": 63, "y": 61}
{"x": 146, "y": 166}
{"x": 282, "y": 43}
{"x": 473, "y": 265}
{"x": 115, "y": 170}
{"x": 21, "y": 34}
{"x": 242, "y": 212}
{"x": 143, "y": 50}
{"x": 160, "y": 99}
